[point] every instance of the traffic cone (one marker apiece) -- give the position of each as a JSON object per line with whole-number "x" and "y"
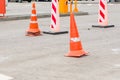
{"x": 103, "y": 15}
{"x": 33, "y": 28}
{"x": 76, "y": 49}
{"x": 2, "y": 8}
{"x": 55, "y": 24}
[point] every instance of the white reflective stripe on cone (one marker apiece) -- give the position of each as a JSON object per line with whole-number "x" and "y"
{"x": 76, "y": 39}
{"x": 33, "y": 15}
{"x": 33, "y": 9}
{"x": 33, "y": 21}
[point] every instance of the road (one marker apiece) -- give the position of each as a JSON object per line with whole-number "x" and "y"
{"x": 42, "y": 57}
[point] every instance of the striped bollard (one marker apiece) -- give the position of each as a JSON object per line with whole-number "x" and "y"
{"x": 103, "y": 15}
{"x": 55, "y": 24}
{"x": 54, "y": 16}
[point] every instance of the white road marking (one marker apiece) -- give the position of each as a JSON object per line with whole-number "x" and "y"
{"x": 3, "y": 58}
{"x": 116, "y": 51}
{"x": 117, "y": 66}
{"x": 4, "y": 77}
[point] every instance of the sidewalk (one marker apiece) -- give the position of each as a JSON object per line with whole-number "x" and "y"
{"x": 17, "y": 11}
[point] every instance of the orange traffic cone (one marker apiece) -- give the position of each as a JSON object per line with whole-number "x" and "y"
{"x": 76, "y": 49}
{"x": 2, "y": 7}
{"x": 33, "y": 28}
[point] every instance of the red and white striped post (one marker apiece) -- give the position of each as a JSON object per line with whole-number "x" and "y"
{"x": 103, "y": 15}
{"x": 55, "y": 23}
{"x": 54, "y": 16}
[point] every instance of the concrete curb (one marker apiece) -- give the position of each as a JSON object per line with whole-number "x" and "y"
{"x": 42, "y": 15}
{"x": 77, "y": 14}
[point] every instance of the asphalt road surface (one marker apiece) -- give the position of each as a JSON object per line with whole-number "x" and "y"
{"x": 42, "y": 57}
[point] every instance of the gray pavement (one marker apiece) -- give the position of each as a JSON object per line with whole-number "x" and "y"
{"x": 42, "y": 57}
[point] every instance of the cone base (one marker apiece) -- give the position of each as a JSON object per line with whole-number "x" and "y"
{"x": 99, "y": 26}
{"x": 55, "y": 33}
{"x": 78, "y": 53}
{"x": 33, "y": 33}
